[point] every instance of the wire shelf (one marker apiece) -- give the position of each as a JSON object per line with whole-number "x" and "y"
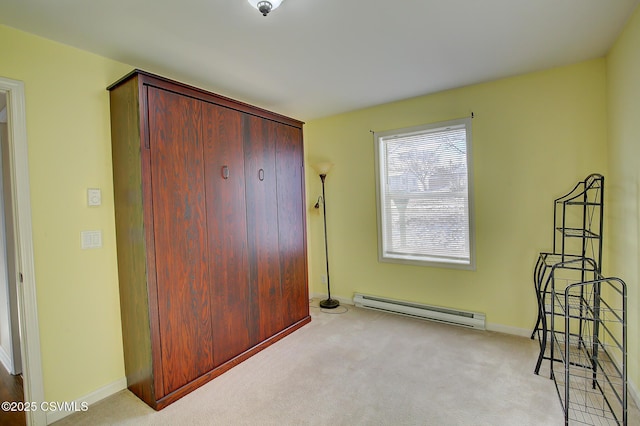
{"x": 588, "y": 351}
{"x": 581, "y": 324}
{"x": 592, "y": 399}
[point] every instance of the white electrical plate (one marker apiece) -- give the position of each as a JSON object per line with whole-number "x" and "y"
{"x": 91, "y": 239}
{"x": 94, "y": 197}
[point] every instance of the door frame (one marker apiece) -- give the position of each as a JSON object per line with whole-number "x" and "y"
{"x": 21, "y": 196}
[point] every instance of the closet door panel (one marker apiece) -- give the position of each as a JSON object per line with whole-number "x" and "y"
{"x": 212, "y": 264}
{"x": 262, "y": 226}
{"x": 291, "y": 223}
{"x": 177, "y": 180}
{"x": 227, "y": 230}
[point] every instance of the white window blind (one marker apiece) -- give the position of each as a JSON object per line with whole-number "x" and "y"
{"x": 424, "y": 195}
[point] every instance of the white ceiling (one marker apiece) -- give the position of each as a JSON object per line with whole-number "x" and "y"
{"x": 314, "y": 58}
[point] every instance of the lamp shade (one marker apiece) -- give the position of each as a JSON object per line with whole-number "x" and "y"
{"x": 323, "y": 168}
{"x": 273, "y": 5}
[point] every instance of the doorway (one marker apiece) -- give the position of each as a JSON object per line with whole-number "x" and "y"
{"x": 11, "y": 374}
{"x": 18, "y": 272}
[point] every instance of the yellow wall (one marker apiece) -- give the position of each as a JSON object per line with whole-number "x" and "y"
{"x": 534, "y": 137}
{"x": 69, "y": 147}
{"x": 623, "y": 77}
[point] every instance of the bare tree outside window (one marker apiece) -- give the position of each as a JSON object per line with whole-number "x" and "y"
{"x": 424, "y": 195}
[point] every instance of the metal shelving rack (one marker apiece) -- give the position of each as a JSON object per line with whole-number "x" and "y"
{"x": 591, "y": 377}
{"x": 552, "y": 273}
{"x": 581, "y": 324}
{"x": 578, "y": 220}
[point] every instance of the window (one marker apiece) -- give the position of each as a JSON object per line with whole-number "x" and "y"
{"x": 425, "y": 197}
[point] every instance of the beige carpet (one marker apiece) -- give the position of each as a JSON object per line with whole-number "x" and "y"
{"x": 360, "y": 367}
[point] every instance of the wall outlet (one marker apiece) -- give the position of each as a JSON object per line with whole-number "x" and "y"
{"x": 323, "y": 279}
{"x": 91, "y": 239}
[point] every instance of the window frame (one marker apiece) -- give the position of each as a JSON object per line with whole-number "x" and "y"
{"x": 380, "y": 174}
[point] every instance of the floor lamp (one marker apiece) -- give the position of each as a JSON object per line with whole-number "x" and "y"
{"x": 323, "y": 169}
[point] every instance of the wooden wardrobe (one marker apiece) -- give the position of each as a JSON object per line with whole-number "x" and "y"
{"x": 210, "y": 227}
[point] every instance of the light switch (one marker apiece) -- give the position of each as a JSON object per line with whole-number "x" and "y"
{"x": 94, "y": 197}
{"x": 91, "y": 239}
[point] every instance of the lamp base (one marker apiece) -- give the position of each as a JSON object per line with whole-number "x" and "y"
{"x": 329, "y": 303}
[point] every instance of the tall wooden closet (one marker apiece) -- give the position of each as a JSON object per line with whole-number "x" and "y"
{"x": 210, "y": 227}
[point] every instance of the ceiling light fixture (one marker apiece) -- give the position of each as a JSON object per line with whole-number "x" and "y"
{"x": 265, "y": 7}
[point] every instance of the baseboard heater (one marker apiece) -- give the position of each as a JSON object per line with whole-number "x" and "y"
{"x": 417, "y": 310}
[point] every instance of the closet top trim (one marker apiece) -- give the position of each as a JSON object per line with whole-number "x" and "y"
{"x": 146, "y": 78}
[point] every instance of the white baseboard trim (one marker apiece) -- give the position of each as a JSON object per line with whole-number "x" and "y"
{"x": 632, "y": 390}
{"x": 507, "y": 329}
{"x": 342, "y": 300}
{"x": 88, "y": 400}
{"x": 523, "y": 332}
{"x": 6, "y": 360}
